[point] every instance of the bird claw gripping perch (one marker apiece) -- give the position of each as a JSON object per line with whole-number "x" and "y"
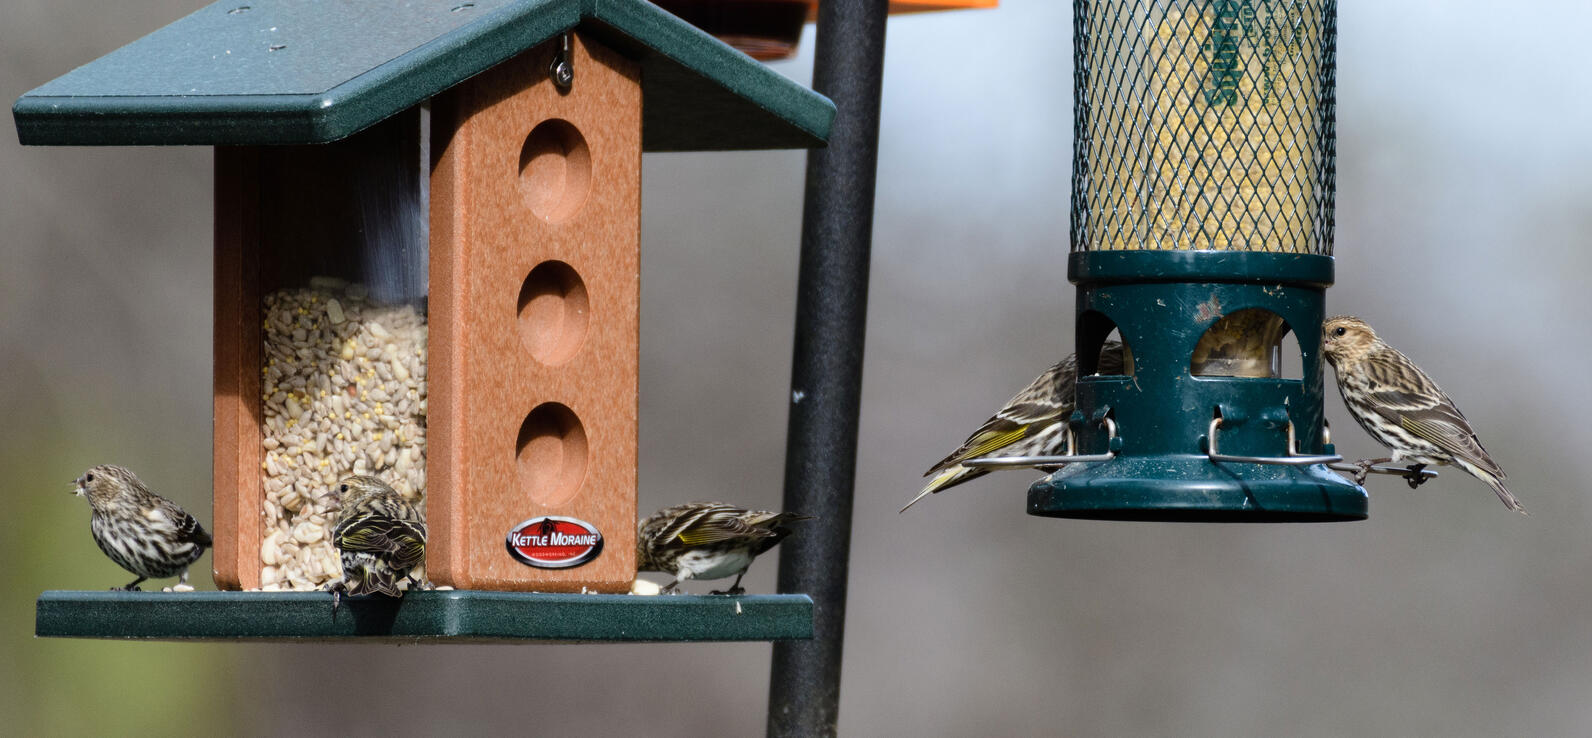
{"x": 1363, "y": 470}
{"x": 735, "y": 588}
{"x": 1415, "y": 474}
{"x": 337, "y": 588}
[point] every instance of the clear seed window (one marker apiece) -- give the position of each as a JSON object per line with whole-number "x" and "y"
{"x": 343, "y": 338}
{"x": 344, "y": 392}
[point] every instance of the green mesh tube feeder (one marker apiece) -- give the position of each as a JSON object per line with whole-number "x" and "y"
{"x": 1202, "y": 234}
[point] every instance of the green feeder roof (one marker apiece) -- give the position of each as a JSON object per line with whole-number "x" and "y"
{"x": 246, "y": 72}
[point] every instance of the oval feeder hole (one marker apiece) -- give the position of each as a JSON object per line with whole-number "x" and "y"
{"x": 555, "y": 170}
{"x": 550, "y": 454}
{"x": 554, "y": 312}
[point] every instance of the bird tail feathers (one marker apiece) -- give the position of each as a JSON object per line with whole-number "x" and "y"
{"x": 948, "y": 477}
{"x": 1497, "y": 483}
{"x": 368, "y": 581}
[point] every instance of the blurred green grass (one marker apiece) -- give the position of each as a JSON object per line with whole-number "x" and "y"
{"x": 85, "y": 687}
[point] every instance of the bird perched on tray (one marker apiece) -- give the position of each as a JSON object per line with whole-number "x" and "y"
{"x": 141, "y": 531}
{"x": 1033, "y": 423}
{"x": 381, "y": 538}
{"x": 1402, "y": 408}
{"x": 708, "y": 540}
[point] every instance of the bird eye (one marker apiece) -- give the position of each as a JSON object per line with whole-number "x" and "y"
{"x": 343, "y": 488}
{"x": 88, "y": 477}
{"x": 1340, "y": 331}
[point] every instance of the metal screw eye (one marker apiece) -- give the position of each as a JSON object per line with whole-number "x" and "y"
{"x": 562, "y": 70}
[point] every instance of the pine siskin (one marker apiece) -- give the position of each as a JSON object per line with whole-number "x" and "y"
{"x": 1033, "y": 423}
{"x": 141, "y": 531}
{"x": 381, "y": 537}
{"x": 708, "y": 540}
{"x": 1402, "y": 408}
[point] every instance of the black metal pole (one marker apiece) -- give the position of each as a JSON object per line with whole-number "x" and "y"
{"x": 826, "y": 374}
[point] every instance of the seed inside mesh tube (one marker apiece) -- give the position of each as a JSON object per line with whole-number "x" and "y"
{"x": 1203, "y": 127}
{"x": 333, "y": 362}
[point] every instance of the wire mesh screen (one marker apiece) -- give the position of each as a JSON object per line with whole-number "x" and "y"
{"x": 1204, "y": 125}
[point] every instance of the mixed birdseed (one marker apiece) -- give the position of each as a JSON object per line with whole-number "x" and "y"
{"x": 343, "y": 392}
{"x": 1194, "y": 148}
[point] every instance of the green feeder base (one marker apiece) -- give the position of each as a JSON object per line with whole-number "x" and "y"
{"x": 1192, "y": 383}
{"x": 439, "y": 616}
{"x": 1195, "y": 489}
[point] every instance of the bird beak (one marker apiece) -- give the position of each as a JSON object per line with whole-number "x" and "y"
{"x": 77, "y": 486}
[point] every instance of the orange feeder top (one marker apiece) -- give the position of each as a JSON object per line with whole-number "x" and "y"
{"x": 769, "y": 30}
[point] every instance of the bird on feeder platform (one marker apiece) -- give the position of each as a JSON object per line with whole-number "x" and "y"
{"x": 1402, "y": 408}
{"x": 1032, "y": 423}
{"x": 141, "y": 531}
{"x": 381, "y": 537}
{"x": 708, "y": 540}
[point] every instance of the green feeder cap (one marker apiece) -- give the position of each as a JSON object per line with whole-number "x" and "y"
{"x": 249, "y": 72}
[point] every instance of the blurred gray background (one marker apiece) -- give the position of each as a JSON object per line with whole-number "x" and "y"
{"x": 1464, "y": 208}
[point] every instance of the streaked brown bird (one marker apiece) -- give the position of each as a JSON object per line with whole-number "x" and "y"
{"x": 1032, "y": 423}
{"x": 381, "y": 537}
{"x": 708, "y": 540}
{"x": 141, "y": 531}
{"x": 1402, "y": 408}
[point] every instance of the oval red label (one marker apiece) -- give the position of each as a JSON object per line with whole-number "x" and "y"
{"x": 552, "y": 542}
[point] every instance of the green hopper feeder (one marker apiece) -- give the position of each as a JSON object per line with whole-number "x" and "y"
{"x": 427, "y": 249}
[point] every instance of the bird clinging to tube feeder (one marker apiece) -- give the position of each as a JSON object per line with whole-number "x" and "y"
{"x": 427, "y": 242}
{"x": 1202, "y": 234}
